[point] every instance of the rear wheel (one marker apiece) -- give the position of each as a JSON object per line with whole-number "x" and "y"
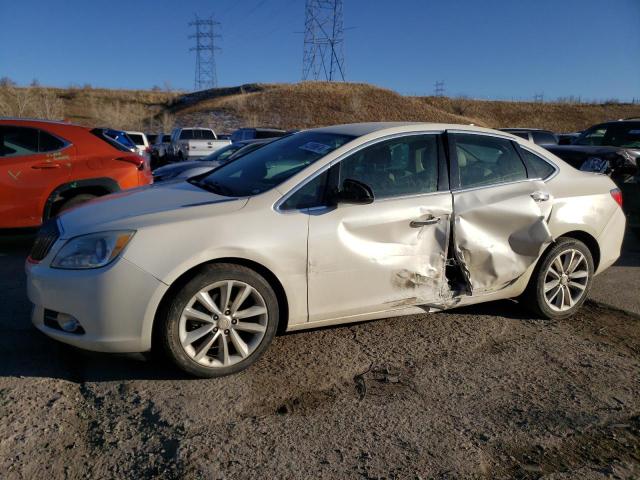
{"x": 220, "y": 322}
{"x": 561, "y": 281}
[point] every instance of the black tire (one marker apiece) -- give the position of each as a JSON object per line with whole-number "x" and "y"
{"x": 74, "y": 202}
{"x": 168, "y": 336}
{"x": 534, "y": 296}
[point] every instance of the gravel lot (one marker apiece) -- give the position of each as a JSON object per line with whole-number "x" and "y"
{"x": 482, "y": 392}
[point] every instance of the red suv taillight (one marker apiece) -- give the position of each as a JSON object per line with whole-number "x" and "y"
{"x": 617, "y": 196}
{"x": 137, "y": 160}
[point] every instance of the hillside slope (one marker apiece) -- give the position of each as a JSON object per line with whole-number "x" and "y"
{"x": 289, "y": 106}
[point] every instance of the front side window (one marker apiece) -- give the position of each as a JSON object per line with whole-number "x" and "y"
{"x": 485, "y": 160}
{"x": 623, "y": 135}
{"x": 272, "y": 164}
{"x": 398, "y": 167}
{"x": 312, "y": 194}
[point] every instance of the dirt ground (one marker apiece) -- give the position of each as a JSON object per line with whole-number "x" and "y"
{"x": 482, "y": 392}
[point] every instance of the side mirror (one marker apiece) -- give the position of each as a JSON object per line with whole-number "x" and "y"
{"x": 353, "y": 191}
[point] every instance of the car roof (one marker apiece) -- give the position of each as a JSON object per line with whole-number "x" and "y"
{"x": 361, "y": 129}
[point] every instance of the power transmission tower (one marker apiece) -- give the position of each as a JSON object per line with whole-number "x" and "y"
{"x": 439, "y": 89}
{"x": 323, "y": 41}
{"x": 538, "y": 98}
{"x": 206, "y": 75}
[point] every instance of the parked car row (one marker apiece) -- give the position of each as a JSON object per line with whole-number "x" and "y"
{"x": 610, "y": 147}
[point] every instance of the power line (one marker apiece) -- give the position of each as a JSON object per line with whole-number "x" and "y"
{"x": 323, "y": 41}
{"x": 205, "y": 75}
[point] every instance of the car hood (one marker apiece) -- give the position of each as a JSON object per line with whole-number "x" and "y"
{"x": 184, "y": 169}
{"x": 133, "y": 209}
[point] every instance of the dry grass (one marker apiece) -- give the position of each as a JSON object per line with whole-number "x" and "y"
{"x": 301, "y": 105}
{"x": 126, "y": 109}
{"x": 311, "y": 104}
{"x": 558, "y": 117}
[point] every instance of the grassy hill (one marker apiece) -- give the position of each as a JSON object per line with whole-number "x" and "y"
{"x": 300, "y": 105}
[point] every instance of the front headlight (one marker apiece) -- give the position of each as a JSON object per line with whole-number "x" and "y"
{"x": 92, "y": 251}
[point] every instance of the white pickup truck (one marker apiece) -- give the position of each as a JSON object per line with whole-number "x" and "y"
{"x": 195, "y": 142}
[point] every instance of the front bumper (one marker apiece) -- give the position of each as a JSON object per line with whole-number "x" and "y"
{"x": 115, "y": 305}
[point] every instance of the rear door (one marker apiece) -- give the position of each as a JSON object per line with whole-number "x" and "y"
{"x": 32, "y": 164}
{"x": 388, "y": 254}
{"x": 500, "y": 210}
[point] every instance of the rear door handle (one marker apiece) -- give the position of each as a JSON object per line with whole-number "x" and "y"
{"x": 540, "y": 196}
{"x": 45, "y": 165}
{"x": 430, "y": 220}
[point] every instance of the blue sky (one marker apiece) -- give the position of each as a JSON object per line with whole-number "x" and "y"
{"x": 481, "y": 48}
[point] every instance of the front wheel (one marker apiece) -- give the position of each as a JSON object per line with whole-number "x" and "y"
{"x": 561, "y": 281}
{"x": 220, "y": 322}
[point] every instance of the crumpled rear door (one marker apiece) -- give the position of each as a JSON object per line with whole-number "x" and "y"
{"x": 499, "y": 232}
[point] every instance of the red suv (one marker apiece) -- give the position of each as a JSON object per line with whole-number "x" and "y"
{"x": 47, "y": 167}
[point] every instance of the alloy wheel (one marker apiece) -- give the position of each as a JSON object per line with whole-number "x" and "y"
{"x": 223, "y": 323}
{"x": 566, "y": 280}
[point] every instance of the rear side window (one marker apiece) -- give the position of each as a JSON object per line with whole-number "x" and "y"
{"x": 538, "y": 168}
{"x": 207, "y": 135}
{"x": 187, "y": 135}
{"x": 544, "y": 138}
{"x": 485, "y": 160}
{"x": 16, "y": 141}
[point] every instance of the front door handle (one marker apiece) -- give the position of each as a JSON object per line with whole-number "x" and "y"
{"x": 430, "y": 220}
{"x": 45, "y": 165}
{"x": 540, "y": 196}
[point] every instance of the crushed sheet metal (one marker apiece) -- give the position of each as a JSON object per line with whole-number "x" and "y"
{"x": 366, "y": 254}
{"x": 499, "y": 233}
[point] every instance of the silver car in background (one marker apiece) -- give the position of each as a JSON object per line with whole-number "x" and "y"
{"x": 325, "y": 227}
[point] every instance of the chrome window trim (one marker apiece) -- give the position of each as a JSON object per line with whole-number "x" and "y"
{"x": 481, "y": 187}
{"x": 321, "y": 170}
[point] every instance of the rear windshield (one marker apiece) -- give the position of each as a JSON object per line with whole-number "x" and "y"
{"x": 101, "y": 133}
{"x": 270, "y": 165}
{"x": 136, "y": 138}
{"x": 196, "y": 134}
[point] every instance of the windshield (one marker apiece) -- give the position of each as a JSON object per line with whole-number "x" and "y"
{"x": 222, "y": 153}
{"x": 272, "y": 164}
{"x": 616, "y": 135}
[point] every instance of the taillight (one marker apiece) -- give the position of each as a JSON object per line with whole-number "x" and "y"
{"x": 136, "y": 160}
{"x": 617, "y": 196}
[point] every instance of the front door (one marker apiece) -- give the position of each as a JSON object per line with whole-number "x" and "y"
{"x": 500, "y": 215}
{"x": 388, "y": 254}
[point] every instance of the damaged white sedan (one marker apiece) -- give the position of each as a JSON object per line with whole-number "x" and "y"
{"x": 323, "y": 227}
